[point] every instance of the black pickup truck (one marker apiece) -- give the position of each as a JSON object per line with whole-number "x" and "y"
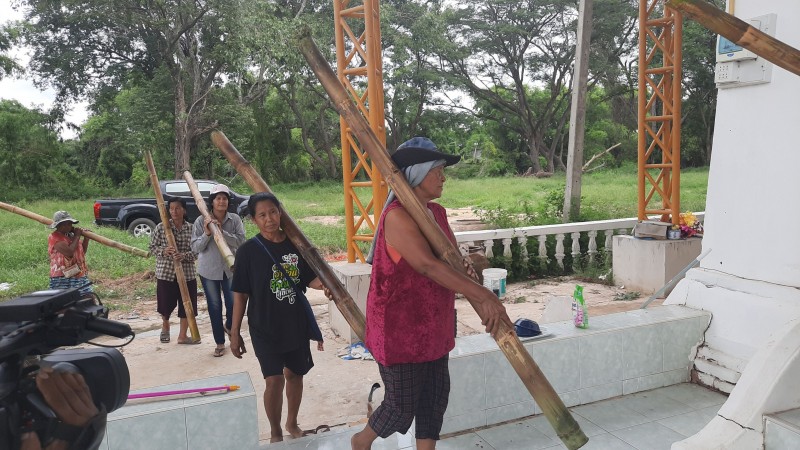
{"x": 140, "y": 215}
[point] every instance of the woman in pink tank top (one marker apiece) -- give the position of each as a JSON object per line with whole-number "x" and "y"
{"x": 410, "y": 306}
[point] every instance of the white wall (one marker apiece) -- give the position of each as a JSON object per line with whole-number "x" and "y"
{"x": 753, "y": 211}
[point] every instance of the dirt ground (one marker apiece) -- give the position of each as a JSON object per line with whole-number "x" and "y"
{"x": 335, "y": 391}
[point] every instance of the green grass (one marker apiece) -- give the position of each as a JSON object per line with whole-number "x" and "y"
{"x": 23, "y": 242}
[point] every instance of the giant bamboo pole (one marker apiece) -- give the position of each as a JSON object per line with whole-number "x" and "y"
{"x": 342, "y": 298}
{"x": 179, "y": 275}
{"x": 537, "y": 384}
{"x": 741, "y": 33}
{"x": 216, "y": 231}
{"x": 95, "y": 237}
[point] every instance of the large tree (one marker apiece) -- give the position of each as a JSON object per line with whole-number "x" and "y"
{"x": 275, "y": 69}
{"x": 8, "y": 65}
{"x": 500, "y": 51}
{"x": 81, "y": 46}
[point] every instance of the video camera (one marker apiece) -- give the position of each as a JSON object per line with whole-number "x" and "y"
{"x": 37, "y": 324}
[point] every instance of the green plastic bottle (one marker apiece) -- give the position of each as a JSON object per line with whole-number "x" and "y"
{"x": 580, "y": 316}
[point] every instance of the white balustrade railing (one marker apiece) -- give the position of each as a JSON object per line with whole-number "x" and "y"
{"x": 487, "y": 238}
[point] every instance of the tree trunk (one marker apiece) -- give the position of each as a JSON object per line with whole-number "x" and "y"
{"x": 182, "y": 138}
{"x": 533, "y": 152}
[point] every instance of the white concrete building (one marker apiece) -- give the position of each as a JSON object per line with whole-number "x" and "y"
{"x": 750, "y": 281}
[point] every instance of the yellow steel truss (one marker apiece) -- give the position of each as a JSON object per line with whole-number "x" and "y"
{"x": 660, "y": 56}
{"x": 360, "y": 70}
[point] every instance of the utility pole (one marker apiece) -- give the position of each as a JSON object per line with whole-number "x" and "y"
{"x": 577, "y": 114}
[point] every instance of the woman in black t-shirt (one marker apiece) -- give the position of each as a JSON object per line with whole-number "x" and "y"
{"x": 278, "y": 313}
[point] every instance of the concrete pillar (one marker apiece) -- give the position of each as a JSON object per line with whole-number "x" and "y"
{"x": 645, "y": 265}
{"x": 355, "y": 278}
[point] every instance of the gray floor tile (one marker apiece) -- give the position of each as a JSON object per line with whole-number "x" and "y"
{"x": 606, "y": 442}
{"x": 467, "y": 441}
{"x": 649, "y": 436}
{"x": 516, "y": 436}
{"x": 655, "y": 405}
{"x": 322, "y": 442}
{"x": 777, "y": 437}
{"x": 542, "y": 424}
{"x": 690, "y": 423}
{"x": 611, "y": 415}
{"x": 693, "y": 395}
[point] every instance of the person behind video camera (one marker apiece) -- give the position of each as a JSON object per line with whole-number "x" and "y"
{"x": 68, "y": 254}
{"x": 168, "y": 293}
{"x": 71, "y": 400}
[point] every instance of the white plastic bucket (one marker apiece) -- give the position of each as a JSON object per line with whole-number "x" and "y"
{"x": 495, "y": 281}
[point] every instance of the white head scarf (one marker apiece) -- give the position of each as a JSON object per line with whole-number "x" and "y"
{"x": 414, "y": 175}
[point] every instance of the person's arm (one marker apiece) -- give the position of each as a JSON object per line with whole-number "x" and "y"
{"x": 68, "y": 250}
{"x": 399, "y": 227}
{"x": 85, "y": 242}
{"x": 189, "y": 255}
{"x": 315, "y": 284}
{"x": 201, "y": 236}
{"x": 236, "y": 237}
{"x": 239, "y": 306}
{"x": 158, "y": 243}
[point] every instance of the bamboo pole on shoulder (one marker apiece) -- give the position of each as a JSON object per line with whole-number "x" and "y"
{"x": 179, "y": 274}
{"x": 344, "y": 302}
{"x": 93, "y": 236}
{"x": 529, "y": 372}
{"x": 216, "y": 231}
{"x": 741, "y": 33}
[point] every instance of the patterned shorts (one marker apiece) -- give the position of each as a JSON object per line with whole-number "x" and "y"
{"x": 413, "y": 391}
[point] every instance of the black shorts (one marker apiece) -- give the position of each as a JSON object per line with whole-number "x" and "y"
{"x": 168, "y": 295}
{"x": 299, "y": 360}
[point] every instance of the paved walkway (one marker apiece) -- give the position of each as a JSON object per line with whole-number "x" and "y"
{"x": 651, "y": 420}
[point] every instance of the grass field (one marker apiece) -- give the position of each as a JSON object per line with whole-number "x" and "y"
{"x": 24, "y": 264}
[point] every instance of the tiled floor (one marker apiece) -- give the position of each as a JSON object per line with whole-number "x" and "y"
{"x": 649, "y": 420}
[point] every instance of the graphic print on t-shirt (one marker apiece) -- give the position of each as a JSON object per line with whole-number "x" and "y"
{"x": 279, "y": 285}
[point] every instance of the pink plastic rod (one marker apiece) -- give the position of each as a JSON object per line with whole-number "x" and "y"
{"x": 211, "y": 390}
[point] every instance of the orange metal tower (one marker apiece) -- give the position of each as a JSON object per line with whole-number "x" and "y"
{"x": 660, "y": 57}
{"x": 360, "y": 70}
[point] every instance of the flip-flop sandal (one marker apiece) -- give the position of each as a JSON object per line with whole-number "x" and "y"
{"x": 219, "y": 352}
{"x": 189, "y": 342}
{"x": 164, "y": 337}
{"x": 319, "y": 429}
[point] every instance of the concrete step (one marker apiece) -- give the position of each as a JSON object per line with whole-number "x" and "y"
{"x": 782, "y": 430}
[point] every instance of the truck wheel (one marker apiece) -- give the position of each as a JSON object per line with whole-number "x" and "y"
{"x": 141, "y": 227}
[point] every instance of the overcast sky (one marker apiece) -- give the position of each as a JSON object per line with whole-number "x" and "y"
{"x": 23, "y": 90}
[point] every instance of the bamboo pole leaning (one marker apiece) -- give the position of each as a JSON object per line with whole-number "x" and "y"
{"x": 93, "y": 236}
{"x": 179, "y": 275}
{"x": 741, "y": 33}
{"x": 216, "y": 231}
{"x": 344, "y": 302}
{"x": 529, "y": 372}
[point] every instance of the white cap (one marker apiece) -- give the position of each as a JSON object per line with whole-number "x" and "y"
{"x": 220, "y": 188}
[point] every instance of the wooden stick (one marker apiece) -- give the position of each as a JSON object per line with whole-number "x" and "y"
{"x": 179, "y": 275}
{"x": 542, "y": 391}
{"x": 740, "y": 33}
{"x": 219, "y": 238}
{"x": 95, "y": 237}
{"x": 342, "y": 299}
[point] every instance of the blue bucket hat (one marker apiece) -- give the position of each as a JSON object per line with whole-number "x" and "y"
{"x": 526, "y": 328}
{"x": 419, "y": 150}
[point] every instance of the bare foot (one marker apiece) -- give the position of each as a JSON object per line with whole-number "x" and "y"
{"x": 274, "y": 439}
{"x": 294, "y": 430}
